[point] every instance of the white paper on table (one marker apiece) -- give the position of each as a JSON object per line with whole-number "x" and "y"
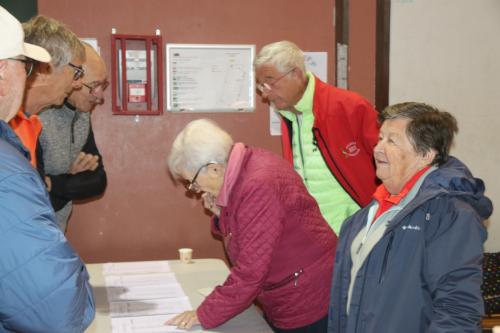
{"x": 143, "y": 324}
{"x": 136, "y": 267}
{"x": 139, "y": 279}
{"x": 205, "y": 291}
{"x": 130, "y": 293}
{"x": 149, "y": 307}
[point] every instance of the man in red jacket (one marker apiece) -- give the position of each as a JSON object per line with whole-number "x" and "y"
{"x": 327, "y": 133}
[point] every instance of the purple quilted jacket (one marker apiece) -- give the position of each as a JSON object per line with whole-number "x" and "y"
{"x": 280, "y": 247}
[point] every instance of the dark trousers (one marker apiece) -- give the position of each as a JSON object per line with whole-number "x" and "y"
{"x": 319, "y": 326}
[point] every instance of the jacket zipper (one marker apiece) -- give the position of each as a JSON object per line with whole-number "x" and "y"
{"x": 288, "y": 279}
{"x": 73, "y": 121}
{"x": 317, "y": 135}
{"x": 386, "y": 256}
{"x": 361, "y": 300}
{"x": 300, "y": 148}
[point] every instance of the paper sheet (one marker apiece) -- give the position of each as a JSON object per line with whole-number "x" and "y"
{"x": 149, "y": 307}
{"x": 140, "y": 279}
{"x": 147, "y": 292}
{"x": 136, "y": 267}
{"x": 143, "y": 324}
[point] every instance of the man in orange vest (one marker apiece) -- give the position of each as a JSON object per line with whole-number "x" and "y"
{"x": 51, "y": 82}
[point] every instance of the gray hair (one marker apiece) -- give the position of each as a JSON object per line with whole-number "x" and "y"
{"x": 56, "y": 38}
{"x": 284, "y": 55}
{"x": 200, "y": 142}
{"x": 429, "y": 128}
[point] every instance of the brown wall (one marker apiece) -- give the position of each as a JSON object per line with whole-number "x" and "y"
{"x": 143, "y": 215}
{"x": 362, "y": 23}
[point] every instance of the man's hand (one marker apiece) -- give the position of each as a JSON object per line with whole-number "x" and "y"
{"x": 84, "y": 162}
{"x": 209, "y": 203}
{"x": 184, "y": 320}
{"x": 48, "y": 182}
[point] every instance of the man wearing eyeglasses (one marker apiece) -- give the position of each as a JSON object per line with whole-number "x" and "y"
{"x": 327, "y": 133}
{"x": 52, "y": 83}
{"x": 44, "y": 286}
{"x": 72, "y": 163}
{"x": 48, "y": 83}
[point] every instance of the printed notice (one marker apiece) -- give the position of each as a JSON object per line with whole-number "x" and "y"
{"x": 210, "y": 77}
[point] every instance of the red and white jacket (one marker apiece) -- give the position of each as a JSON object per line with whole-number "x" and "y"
{"x": 346, "y": 131}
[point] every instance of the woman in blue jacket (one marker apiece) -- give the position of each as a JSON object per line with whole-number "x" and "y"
{"x": 411, "y": 260}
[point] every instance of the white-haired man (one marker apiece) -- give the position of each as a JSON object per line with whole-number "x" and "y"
{"x": 327, "y": 133}
{"x": 43, "y": 283}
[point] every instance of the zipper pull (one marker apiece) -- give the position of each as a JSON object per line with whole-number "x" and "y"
{"x": 296, "y": 275}
{"x": 359, "y": 247}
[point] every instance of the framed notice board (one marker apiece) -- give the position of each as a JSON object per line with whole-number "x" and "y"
{"x": 210, "y": 78}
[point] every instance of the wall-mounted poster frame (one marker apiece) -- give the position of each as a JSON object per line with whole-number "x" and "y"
{"x": 210, "y": 78}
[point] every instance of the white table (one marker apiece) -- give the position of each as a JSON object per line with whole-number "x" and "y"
{"x": 201, "y": 273}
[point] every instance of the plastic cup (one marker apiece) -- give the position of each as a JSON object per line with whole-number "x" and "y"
{"x": 185, "y": 255}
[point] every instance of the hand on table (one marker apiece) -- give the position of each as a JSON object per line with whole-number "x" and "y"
{"x": 184, "y": 320}
{"x": 209, "y": 203}
{"x": 84, "y": 162}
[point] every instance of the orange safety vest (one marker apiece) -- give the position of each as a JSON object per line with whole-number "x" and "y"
{"x": 27, "y": 128}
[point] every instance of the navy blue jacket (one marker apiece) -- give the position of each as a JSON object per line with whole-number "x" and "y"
{"x": 44, "y": 285}
{"x": 424, "y": 275}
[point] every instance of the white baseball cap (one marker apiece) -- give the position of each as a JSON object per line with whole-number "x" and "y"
{"x": 12, "y": 40}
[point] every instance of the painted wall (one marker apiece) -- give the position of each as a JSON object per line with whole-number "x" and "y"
{"x": 143, "y": 215}
{"x": 447, "y": 53}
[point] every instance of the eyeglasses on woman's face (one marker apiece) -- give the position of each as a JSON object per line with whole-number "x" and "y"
{"x": 193, "y": 186}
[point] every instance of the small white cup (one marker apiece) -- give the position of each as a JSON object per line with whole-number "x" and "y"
{"x": 185, "y": 255}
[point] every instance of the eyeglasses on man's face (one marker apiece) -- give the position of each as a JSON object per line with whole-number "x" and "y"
{"x": 28, "y": 63}
{"x": 96, "y": 87}
{"x": 268, "y": 86}
{"x": 79, "y": 71}
{"x": 193, "y": 185}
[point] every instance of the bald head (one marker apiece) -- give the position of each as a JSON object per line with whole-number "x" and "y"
{"x": 95, "y": 81}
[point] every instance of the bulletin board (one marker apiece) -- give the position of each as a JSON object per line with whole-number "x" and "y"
{"x": 210, "y": 78}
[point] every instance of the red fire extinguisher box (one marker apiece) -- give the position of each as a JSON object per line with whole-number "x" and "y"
{"x": 137, "y": 74}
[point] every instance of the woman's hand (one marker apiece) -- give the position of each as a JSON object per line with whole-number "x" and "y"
{"x": 209, "y": 203}
{"x": 184, "y": 320}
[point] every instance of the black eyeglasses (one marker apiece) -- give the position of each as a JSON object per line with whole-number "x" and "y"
{"x": 96, "y": 87}
{"x": 269, "y": 86}
{"x": 28, "y": 63}
{"x": 192, "y": 185}
{"x": 79, "y": 72}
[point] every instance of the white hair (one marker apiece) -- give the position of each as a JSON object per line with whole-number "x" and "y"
{"x": 284, "y": 55}
{"x": 200, "y": 142}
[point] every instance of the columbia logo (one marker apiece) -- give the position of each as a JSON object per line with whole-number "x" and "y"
{"x": 411, "y": 227}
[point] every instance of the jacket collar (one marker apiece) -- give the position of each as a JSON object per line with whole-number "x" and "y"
{"x": 7, "y": 134}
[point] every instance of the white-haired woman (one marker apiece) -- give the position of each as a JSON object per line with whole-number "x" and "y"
{"x": 280, "y": 247}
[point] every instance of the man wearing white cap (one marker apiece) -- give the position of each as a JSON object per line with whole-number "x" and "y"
{"x": 43, "y": 282}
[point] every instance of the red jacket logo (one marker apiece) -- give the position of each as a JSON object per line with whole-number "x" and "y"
{"x": 350, "y": 150}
